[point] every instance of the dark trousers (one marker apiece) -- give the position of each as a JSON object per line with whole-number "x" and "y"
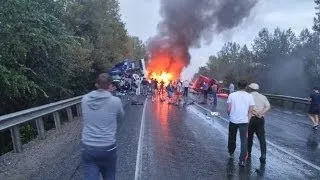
{"x": 233, "y": 128}
{"x": 99, "y": 160}
{"x": 185, "y": 92}
{"x": 214, "y": 94}
{"x": 205, "y": 94}
{"x": 256, "y": 125}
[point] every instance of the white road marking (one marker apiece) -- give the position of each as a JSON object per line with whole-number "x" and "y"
{"x": 140, "y": 144}
{"x": 272, "y": 144}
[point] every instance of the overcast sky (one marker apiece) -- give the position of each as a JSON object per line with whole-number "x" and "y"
{"x": 142, "y": 16}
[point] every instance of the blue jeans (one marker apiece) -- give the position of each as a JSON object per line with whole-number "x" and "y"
{"x": 214, "y": 94}
{"x": 99, "y": 160}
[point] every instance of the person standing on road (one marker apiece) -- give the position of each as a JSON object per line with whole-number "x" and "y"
{"x": 153, "y": 90}
{"x": 231, "y": 88}
{"x": 205, "y": 88}
{"x": 314, "y": 109}
{"x": 179, "y": 87}
{"x": 145, "y": 84}
{"x": 100, "y": 111}
{"x": 161, "y": 86}
{"x": 156, "y": 86}
{"x": 239, "y": 107}
{"x": 214, "y": 88}
{"x": 170, "y": 91}
{"x": 256, "y": 124}
{"x": 185, "y": 85}
{"x": 179, "y": 91}
{"x": 138, "y": 85}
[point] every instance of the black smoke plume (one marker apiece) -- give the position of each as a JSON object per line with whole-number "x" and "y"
{"x": 188, "y": 23}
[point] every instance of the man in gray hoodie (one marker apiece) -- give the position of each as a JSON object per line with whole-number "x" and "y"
{"x": 100, "y": 111}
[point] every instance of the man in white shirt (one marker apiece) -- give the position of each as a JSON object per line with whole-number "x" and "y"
{"x": 256, "y": 124}
{"x": 240, "y": 106}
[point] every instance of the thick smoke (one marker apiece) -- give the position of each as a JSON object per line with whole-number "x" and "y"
{"x": 291, "y": 78}
{"x": 188, "y": 23}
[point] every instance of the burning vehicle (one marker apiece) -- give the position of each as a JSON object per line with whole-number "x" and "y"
{"x": 197, "y": 84}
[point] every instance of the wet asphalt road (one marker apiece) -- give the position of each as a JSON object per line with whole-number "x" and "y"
{"x": 183, "y": 143}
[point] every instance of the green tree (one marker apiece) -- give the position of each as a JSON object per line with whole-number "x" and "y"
{"x": 99, "y": 22}
{"x": 136, "y": 48}
{"x": 308, "y": 51}
{"x": 33, "y": 49}
{"x": 53, "y": 49}
{"x": 316, "y": 25}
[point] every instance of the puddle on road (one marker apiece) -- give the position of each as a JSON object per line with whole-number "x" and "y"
{"x": 211, "y": 120}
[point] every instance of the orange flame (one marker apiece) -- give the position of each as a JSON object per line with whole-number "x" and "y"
{"x": 164, "y": 76}
{"x": 164, "y": 67}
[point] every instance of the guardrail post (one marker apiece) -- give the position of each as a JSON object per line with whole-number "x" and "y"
{"x": 69, "y": 113}
{"x": 16, "y": 139}
{"x": 40, "y": 128}
{"x": 57, "y": 122}
{"x": 282, "y": 103}
{"x": 307, "y": 107}
{"x": 293, "y": 105}
{"x": 78, "y": 106}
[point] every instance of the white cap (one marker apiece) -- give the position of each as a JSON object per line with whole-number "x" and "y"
{"x": 254, "y": 86}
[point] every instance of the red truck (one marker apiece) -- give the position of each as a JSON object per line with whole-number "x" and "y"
{"x": 197, "y": 84}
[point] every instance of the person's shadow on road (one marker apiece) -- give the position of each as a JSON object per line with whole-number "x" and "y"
{"x": 313, "y": 140}
{"x": 260, "y": 171}
{"x": 244, "y": 173}
{"x": 230, "y": 169}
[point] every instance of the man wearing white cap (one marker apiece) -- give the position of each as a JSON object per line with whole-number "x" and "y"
{"x": 256, "y": 124}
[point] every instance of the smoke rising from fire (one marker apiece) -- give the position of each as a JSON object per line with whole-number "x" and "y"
{"x": 187, "y": 24}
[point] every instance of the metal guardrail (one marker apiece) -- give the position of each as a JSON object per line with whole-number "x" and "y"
{"x": 282, "y": 99}
{"x": 14, "y": 120}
